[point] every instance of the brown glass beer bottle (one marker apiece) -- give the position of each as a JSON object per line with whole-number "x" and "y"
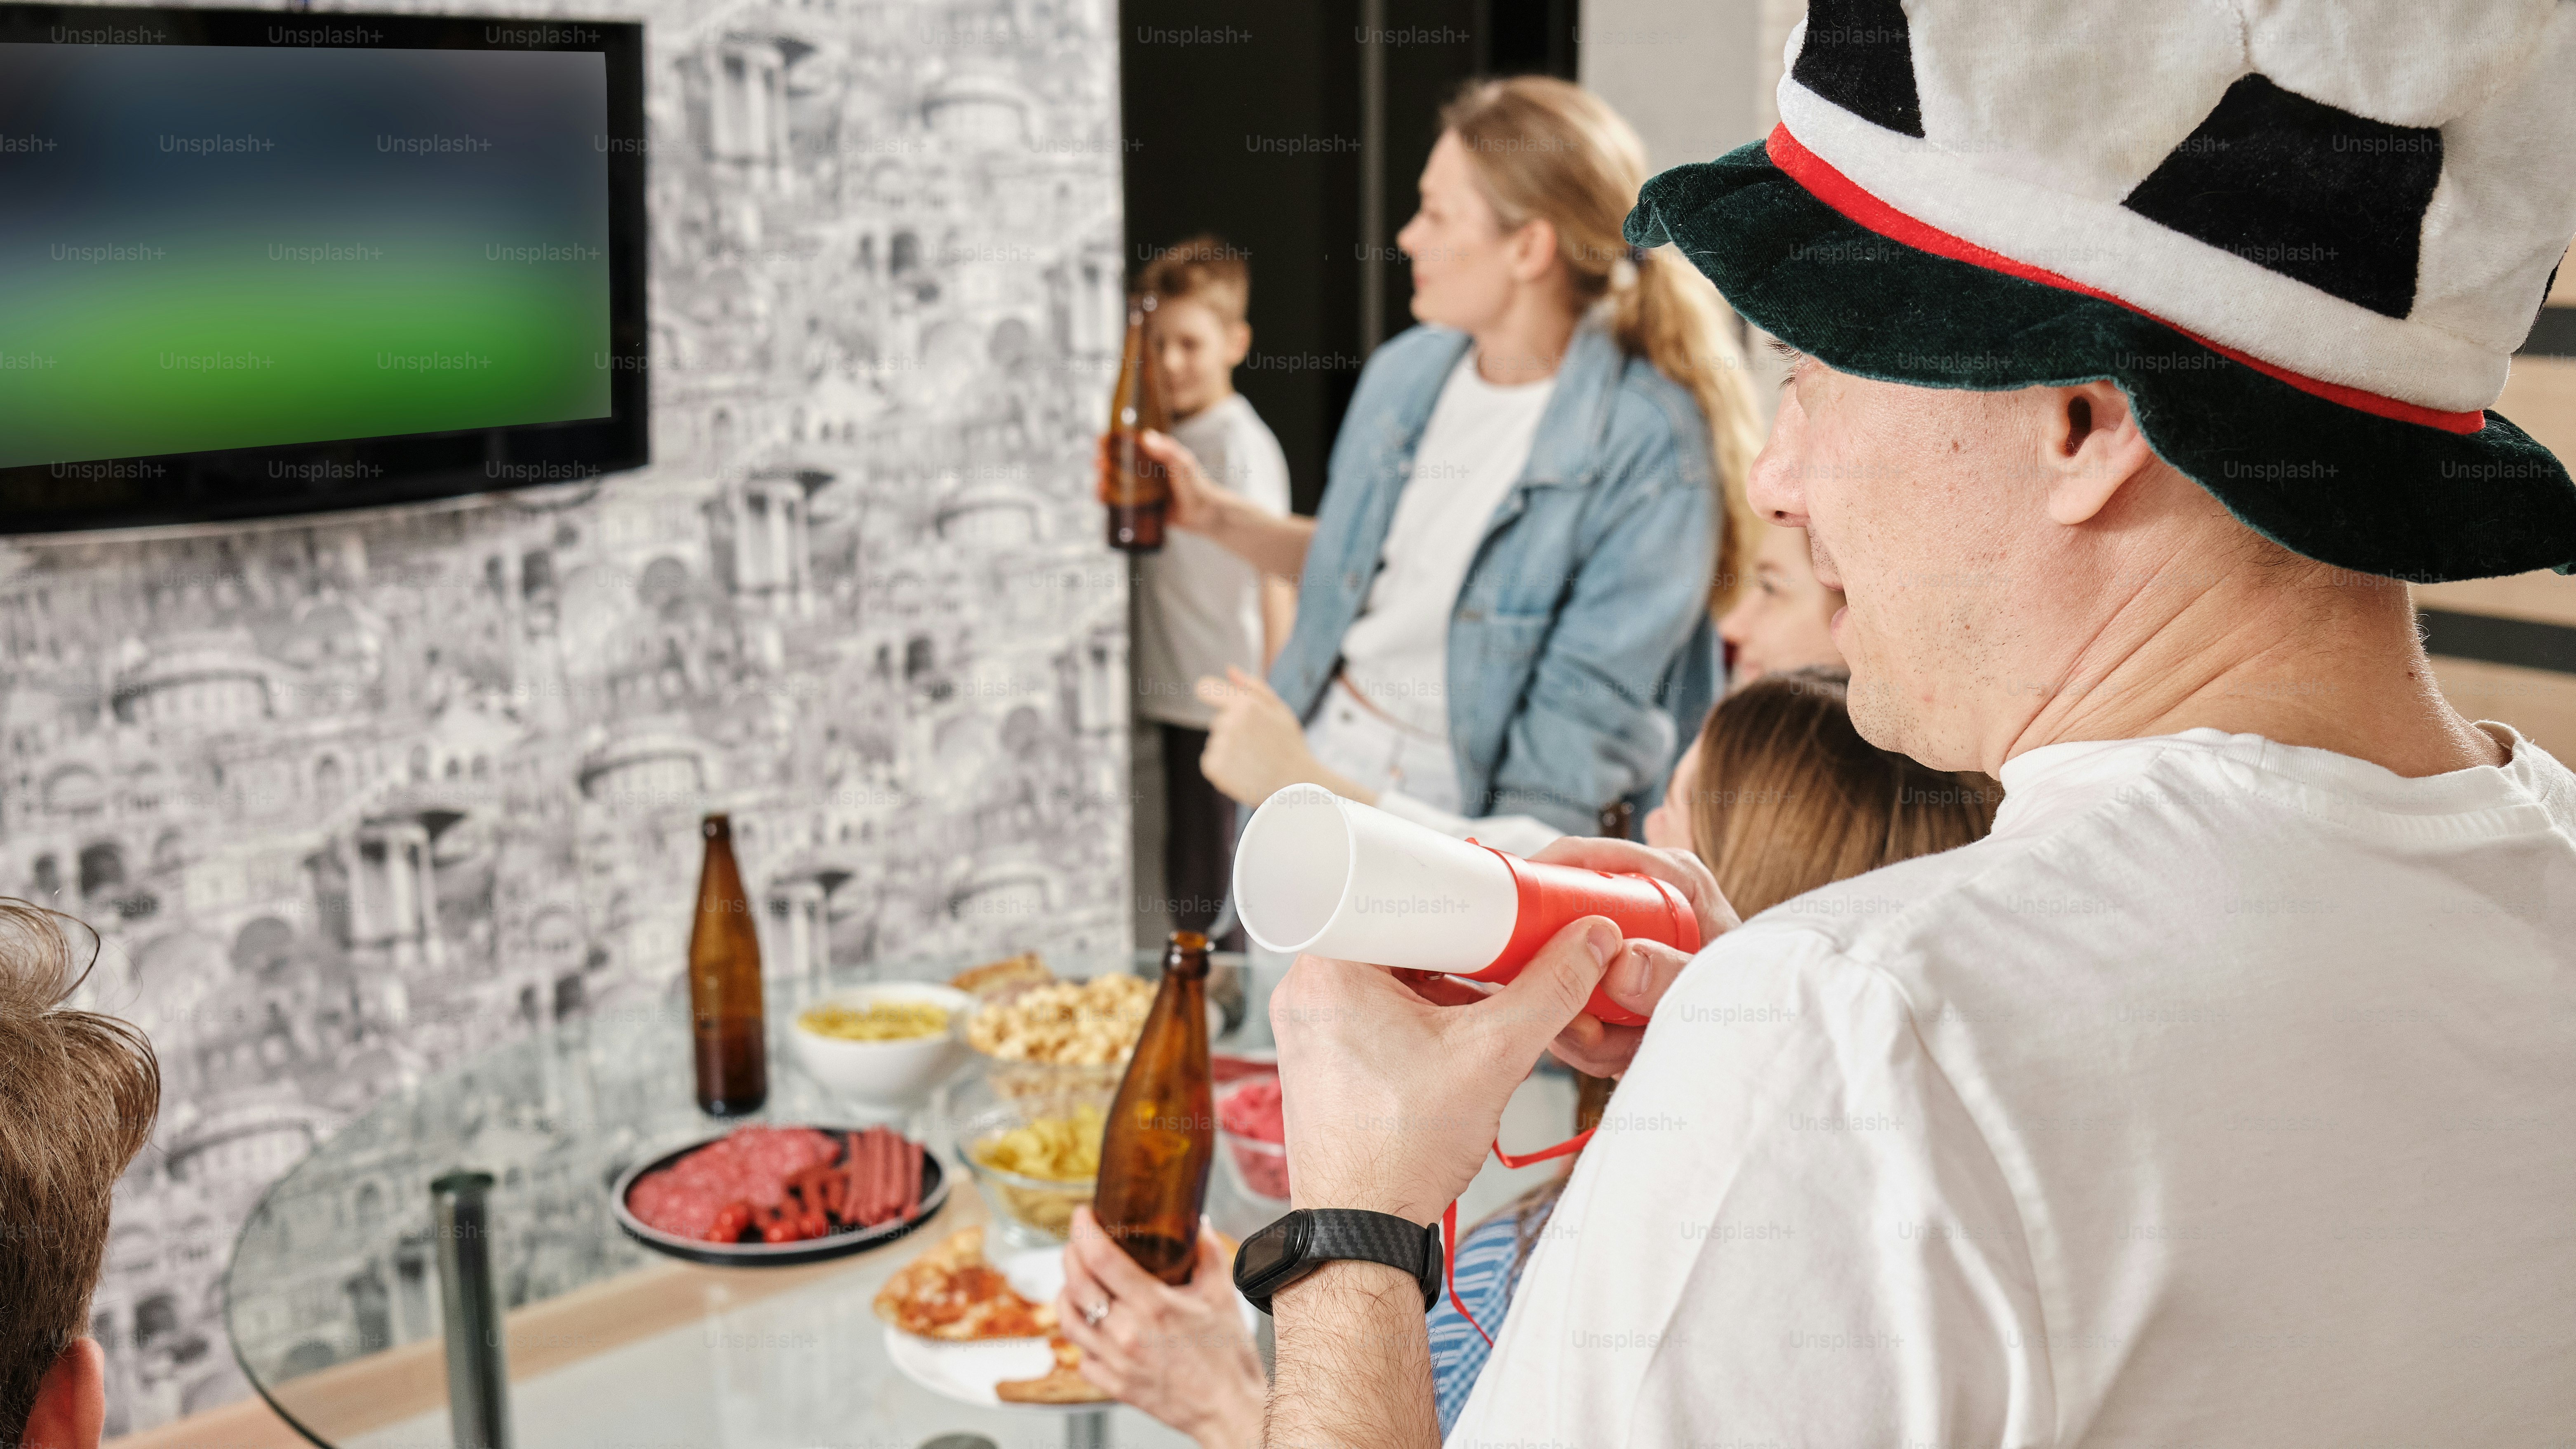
{"x": 725, "y": 1015}
{"x": 1161, "y": 1135}
{"x": 1139, "y": 493}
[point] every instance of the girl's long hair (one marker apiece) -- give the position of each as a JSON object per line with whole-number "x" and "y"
{"x": 1545, "y": 149}
{"x": 1788, "y": 798}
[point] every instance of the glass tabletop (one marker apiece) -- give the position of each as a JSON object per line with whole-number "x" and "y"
{"x": 332, "y": 1297}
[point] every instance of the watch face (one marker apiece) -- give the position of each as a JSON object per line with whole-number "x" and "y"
{"x": 1269, "y": 1250}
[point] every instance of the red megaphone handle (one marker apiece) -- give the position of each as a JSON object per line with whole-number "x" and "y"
{"x": 1530, "y": 930}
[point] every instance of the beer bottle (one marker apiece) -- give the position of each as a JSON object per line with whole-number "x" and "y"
{"x": 1139, "y": 493}
{"x": 1161, "y": 1134}
{"x": 725, "y": 1016}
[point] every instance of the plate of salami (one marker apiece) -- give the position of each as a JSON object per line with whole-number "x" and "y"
{"x": 768, "y": 1196}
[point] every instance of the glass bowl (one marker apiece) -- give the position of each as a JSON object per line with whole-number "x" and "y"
{"x": 1032, "y": 1212}
{"x": 1046, "y": 1089}
{"x": 1258, "y": 1169}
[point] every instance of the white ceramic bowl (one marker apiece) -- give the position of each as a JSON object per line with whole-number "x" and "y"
{"x": 886, "y": 1073}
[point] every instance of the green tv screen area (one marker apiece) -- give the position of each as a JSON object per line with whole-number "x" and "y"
{"x": 205, "y": 248}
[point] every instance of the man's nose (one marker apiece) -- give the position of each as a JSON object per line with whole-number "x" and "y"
{"x": 1775, "y": 484}
{"x": 1772, "y": 489}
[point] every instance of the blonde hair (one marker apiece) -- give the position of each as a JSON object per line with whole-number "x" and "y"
{"x": 78, "y": 1095}
{"x": 1544, "y": 148}
{"x": 1789, "y": 798}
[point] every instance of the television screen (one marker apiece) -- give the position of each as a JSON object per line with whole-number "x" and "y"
{"x": 263, "y": 262}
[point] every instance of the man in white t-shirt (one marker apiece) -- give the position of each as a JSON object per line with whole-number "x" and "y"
{"x": 1199, "y": 609}
{"x": 2223, "y": 1096}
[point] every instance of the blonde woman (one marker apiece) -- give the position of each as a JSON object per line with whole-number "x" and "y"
{"x": 1505, "y": 601}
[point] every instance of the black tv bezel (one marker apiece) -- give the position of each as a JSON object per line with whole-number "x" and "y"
{"x": 340, "y": 474}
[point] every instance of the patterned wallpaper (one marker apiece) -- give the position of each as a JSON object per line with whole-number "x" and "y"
{"x": 355, "y": 796}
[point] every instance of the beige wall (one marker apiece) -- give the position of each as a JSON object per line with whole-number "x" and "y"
{"x": 1688, "y": 74}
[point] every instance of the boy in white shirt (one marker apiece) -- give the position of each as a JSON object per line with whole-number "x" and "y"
{"x": 1198, "y": 608}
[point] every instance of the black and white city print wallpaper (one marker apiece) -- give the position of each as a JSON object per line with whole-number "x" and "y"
{"x": 354, "y": 797}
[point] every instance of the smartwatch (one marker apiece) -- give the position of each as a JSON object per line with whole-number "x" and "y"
{"x": 1308, "y": 1238}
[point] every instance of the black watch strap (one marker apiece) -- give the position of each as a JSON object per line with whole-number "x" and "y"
{"x": 1331, "y": 1235}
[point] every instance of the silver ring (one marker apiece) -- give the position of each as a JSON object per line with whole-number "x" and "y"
{"x": 1092, "y": 1315}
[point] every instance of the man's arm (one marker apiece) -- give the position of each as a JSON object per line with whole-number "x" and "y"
{"x": 1354, "y": 1363}
{"x": 1391, "y": 1103}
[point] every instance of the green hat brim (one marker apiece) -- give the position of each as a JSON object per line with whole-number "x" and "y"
{"x": 2372, "y": 494}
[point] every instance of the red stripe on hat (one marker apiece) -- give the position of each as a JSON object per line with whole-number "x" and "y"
{"x": 1844, "y": 195}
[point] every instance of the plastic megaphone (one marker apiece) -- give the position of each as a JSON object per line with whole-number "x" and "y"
{"x": 1320, "y": 874}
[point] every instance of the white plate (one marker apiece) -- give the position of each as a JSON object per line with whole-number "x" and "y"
{"x": 967, "y": 1372}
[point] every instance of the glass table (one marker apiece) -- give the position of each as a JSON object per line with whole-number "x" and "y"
{"x": 332, "y": 1296}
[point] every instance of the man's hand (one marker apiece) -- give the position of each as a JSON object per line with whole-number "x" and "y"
{"x": 1180, "y": 1354}
{"x": 1645, "y": 969}
{"x": 1392, "y": 1100}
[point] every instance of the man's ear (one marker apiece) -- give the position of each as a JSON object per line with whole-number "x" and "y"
{"x": 1238, "y": 343}
{"x": 2090, "y": 444}
{"x": 71, "y": 1400}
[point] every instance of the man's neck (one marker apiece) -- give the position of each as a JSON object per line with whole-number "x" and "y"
{"x": 2333, "y": 665}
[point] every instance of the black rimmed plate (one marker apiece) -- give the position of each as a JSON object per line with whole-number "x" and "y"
{"x": 934, "y": 1195}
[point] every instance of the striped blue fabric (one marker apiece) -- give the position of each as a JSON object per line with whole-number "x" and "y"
{"x": 1486, "y": 1276}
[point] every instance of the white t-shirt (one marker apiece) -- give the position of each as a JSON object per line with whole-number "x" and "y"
{"x": 2225, "y": 1096}
{"x": 1396, "y": 653}
{"x": 1198, "y": 607}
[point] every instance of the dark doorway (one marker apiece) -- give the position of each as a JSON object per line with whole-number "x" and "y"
{"x": 1249, "y": 120}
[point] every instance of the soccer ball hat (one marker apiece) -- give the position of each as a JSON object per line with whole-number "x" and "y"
{"x": 2304, "y": 238}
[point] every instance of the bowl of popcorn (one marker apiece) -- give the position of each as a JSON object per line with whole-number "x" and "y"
{"x": 1052, "y": 1046}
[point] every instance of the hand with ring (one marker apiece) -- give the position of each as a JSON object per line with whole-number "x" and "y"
{"x": 1180, "y": 1354}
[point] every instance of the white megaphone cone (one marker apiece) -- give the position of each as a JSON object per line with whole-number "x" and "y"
{"x": 1320, "y": 874}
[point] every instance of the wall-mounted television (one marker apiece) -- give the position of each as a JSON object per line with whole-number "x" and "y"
{"x": 266, "y": 262}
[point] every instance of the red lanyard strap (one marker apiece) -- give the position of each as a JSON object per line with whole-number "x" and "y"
{"x": 1449, "y": 1219}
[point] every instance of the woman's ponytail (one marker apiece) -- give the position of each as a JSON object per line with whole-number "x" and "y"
{"x": 1543, "y": 148}
{"x": 1671, "y": 316}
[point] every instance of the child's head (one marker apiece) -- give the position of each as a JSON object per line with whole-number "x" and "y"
{"x": 1780, "y": 795}
{"x": 1197, "y": 331}
{"x": 1786, "y": 619}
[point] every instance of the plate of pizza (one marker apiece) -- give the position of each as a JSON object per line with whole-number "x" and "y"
{"x": 984, "y": 1333}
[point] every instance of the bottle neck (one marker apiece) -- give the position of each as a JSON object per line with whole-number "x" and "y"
{"x": 1185, "y": 956}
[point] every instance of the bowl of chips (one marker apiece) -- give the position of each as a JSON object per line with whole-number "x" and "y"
{"x": 885, "y": 1044}
{"x": 1035, "y": 1159}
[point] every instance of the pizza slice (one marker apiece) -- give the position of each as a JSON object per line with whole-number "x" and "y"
{"x": 950, "y": 1293}
{"x": 1063, "y": 1384}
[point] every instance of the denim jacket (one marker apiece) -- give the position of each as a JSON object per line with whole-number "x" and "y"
{"x": 1581, "y": 655}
